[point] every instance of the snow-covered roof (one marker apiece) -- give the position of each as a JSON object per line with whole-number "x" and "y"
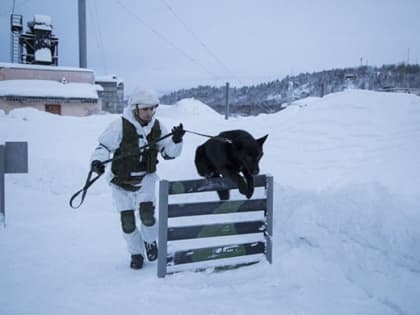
{"x": 42, "y": 27}
{"x": 9, "y": 65}
{"x": 42, "y": 18}
{"x": 108, "y": 78}
{"x": 47, "y": 88}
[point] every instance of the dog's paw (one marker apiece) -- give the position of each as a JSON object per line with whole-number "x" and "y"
{"x": 243, "y": 188}
{"x": 250, "y": 192}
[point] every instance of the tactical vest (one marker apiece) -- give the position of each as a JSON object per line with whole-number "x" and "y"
{"x": 131, "y": 165}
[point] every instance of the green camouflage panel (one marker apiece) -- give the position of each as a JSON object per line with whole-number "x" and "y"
{"x": 217, "y": 252}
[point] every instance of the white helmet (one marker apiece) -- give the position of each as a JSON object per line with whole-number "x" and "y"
{"x": 142, "y": 98}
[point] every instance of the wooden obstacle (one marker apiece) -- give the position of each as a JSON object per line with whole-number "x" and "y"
{"x": 221, "y": 256}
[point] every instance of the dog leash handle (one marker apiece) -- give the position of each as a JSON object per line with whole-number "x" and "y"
{"x": 88, "y": 183}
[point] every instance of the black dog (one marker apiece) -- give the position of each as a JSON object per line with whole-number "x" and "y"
{"x": 217, "y": 158}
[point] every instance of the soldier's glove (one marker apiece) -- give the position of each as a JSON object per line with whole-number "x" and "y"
{"x": 98, "y": 167}
{"x": 177, "y": 133}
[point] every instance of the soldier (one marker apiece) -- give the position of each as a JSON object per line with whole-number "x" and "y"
{"x": 132, "y": 178}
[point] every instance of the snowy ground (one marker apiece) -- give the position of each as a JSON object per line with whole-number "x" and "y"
{"x": 347, "y": 216}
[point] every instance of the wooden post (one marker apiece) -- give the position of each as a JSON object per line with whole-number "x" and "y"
{"x": 163, "y": 228}
{"x": 2, "y": 191}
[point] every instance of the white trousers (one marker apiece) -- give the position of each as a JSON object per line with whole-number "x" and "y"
{"x": 128, "y": 200}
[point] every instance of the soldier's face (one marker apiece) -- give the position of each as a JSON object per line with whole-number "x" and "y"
{"x": 145, "y": 114}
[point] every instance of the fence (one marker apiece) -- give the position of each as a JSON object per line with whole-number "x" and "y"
{"x": 220, "y": 256}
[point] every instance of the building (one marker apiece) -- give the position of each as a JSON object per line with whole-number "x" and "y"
{"x": 59, "y": 90}
{"x": 112, "y": 95}
{"x": 349, "y": 80}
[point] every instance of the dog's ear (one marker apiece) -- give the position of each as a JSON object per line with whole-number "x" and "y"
{"x": 262, "y": 140}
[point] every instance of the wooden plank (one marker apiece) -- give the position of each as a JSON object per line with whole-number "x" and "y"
{"x": 202, "y": 185}
{"x": 217, "y": 252}
{"x": 210, "y": 230}
{"x": 217, "y": 207}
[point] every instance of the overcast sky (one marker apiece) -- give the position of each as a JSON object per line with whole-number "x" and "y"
{"x": 171, "y": 44}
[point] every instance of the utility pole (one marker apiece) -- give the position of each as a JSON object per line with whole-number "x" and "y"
{"x": 227, "y": 101}
{"x": 82, "y": 33}
{"x": 408, "y": 56}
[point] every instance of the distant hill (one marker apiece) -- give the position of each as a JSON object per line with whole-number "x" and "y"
{"x": 272, "y": 96}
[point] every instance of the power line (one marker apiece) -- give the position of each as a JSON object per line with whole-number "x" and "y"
{"x": 168, "y": 41}
{"x": 195, "y": 36}
{"x": 94, "y": 17}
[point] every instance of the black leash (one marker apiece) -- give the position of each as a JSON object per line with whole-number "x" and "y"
{"x": 217, "y": 138}
{"x": 89, "y": 182}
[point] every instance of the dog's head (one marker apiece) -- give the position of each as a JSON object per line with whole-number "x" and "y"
{"x": 249, "y": 152}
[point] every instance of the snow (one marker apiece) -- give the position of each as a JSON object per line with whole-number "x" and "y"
{"x": 48, "y": 88}
{"x": 346, "y": 216}
{"x": 108, "y": 78}
{"x": 8, "y": 65}
{"x": 42, "y": 27}
{"x": 42, "y": 19}
{"x": 193, "y": 108}
{"x": 43, "y": 54}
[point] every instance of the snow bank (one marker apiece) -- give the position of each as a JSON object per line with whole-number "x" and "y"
{"x": 306, "y": 101}
{"x": 369, "y": 232}
{"x": 29, "y": 113}
{"x": 190, "y": 107}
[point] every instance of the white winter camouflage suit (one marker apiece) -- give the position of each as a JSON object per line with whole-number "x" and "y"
{"x": 109, "y": 141}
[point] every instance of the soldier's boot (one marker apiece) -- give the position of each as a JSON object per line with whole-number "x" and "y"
{"x": 136, "y": 261}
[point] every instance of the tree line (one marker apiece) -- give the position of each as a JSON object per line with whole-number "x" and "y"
{"x": 273, "y": 96}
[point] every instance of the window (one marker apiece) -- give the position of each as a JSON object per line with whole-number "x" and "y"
{"x": 53, "y": 108}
